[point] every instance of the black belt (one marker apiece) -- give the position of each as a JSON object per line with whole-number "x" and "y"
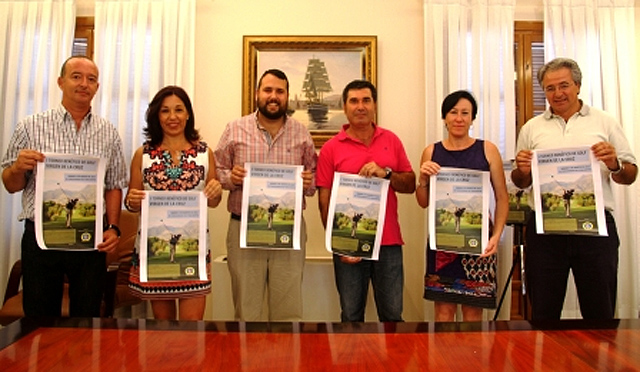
{"x": 29, "y": 225}
{"x": 235, "y": 217}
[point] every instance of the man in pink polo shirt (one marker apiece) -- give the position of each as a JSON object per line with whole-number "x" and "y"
{"x": 364, "y": 148}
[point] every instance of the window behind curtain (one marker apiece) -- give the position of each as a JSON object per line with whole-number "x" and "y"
{"x": 529, "y": 58}
{"x": 83, "y": 38}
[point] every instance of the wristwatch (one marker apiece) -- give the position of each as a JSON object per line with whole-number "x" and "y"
{"x": 388, "y": 171}
{"x": 114, "y": 227}
{"x": 620, "y": 167}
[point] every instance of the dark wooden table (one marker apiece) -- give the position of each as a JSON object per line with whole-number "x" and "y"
{"x": 146, "y": 345}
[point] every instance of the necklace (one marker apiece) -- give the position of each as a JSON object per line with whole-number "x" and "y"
{"x": 174, "y": 171}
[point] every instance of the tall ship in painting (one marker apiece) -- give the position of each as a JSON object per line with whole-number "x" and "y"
{"x": 316, "y": 84}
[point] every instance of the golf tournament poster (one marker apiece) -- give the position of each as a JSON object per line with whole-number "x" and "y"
{"x": 519, "y": 207}
{"x": 567, "y": 188}
{"x": 356, "y": 215}
{"x": 271, "y": 206}
{"x": 459, "y": 210}
{"x": 69, "y": 202}
{"x": 173, "y": 236}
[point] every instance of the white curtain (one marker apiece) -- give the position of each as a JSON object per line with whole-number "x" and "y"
{"x": 600, "y": 36}
{"x": 141, "y": 46}
{"x": 469, "y": 45}
{"x": 35, "y": 38}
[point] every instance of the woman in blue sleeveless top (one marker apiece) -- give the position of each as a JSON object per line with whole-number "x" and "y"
{"x": 453, "y": 278}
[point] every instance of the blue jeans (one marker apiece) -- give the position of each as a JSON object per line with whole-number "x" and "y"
{"x": 387, "y": 277}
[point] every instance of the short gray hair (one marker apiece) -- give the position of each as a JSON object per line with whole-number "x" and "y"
{"x": 559, "y": 63}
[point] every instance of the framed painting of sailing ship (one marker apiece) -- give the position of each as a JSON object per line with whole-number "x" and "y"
{"x": 318, "y": 68}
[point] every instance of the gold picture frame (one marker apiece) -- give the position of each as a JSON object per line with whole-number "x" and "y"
{"x": 343, "y": 58}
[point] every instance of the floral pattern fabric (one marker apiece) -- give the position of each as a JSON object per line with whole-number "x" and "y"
{"x": 163, "y": 174}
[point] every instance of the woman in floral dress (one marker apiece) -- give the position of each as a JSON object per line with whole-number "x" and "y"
{"x": 173, "y": 158}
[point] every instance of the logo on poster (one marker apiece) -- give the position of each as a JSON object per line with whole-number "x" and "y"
{"x": 587, "y": 225}
{"x": 85, "y": 237}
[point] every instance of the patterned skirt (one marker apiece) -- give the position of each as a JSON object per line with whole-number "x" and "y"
{"x": 167, "y": 289}
{"x": 461, "y": 279}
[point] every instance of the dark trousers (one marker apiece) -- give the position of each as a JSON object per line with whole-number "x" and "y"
{"x": 43, "y": 273}
{"x": 593, "y": 261}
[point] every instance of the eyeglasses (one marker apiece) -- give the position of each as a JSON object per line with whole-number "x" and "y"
{"x": 562, "y": 87}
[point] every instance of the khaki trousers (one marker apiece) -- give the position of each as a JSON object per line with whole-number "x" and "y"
{"x": 259, "y": 275}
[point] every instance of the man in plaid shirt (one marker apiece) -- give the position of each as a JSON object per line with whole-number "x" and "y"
{"x": 265, "y": 136}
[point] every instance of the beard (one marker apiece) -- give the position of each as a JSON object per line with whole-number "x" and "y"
{"x": 272, "y": 115}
